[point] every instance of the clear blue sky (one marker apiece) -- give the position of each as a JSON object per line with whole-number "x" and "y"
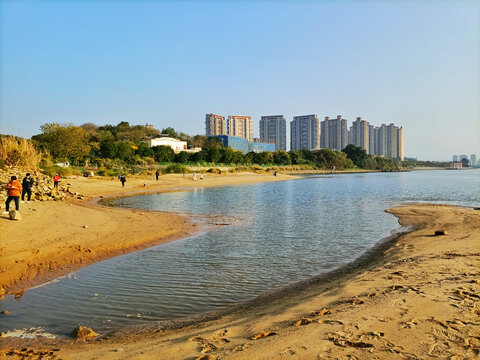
{"x": 168, "y": 63}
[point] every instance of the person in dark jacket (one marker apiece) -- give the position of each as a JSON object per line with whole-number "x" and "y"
{"x": 27, "y": 185}
{"x": 123, "y": 179}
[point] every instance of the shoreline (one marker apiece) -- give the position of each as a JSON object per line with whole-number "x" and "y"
{"x": 395, "y": 293}
{"x": 49, "y": 258}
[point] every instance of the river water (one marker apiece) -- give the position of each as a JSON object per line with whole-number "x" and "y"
{"x": 283, "y": 232}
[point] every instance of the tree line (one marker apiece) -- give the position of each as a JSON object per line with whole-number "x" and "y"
{"x": 89, "y": 144}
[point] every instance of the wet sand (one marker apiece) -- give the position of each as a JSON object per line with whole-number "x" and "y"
{"x": 415, "y": 296}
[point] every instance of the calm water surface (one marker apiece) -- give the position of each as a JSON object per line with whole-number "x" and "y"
{"x": 286, "y": 231}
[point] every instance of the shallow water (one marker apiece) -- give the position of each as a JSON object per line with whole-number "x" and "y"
{"x": 286, "y": 231}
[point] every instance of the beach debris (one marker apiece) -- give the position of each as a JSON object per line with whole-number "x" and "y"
{"x": 84, "y": 333}
{"x": 330, "y": 322}
{"x": 18, "y": 294}
{"x": 263, "y": 334}
{"x": 340, "y": 341}
{"x": 302, "y": 321}
{"x": 5, "y": 312}
{"x": 206, "y": 357}
{"x": 440, "y": 232}
{"x": 209, "y": 348}
{"x": 324, "y": 312}
{"x": 85, "y": 226}
{"x": 357, "y": 301}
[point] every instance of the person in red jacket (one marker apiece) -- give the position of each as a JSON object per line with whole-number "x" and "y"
{"x": 14, "y": 189}
{"x": 56, "y": 179}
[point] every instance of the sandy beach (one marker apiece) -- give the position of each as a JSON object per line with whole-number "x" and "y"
{"x": 415, "y": 296}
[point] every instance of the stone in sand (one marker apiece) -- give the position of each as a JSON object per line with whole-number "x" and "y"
{"x": 83, "y": 332}
{"x": 440, "y": 232}
{"x": 14, "y": 215}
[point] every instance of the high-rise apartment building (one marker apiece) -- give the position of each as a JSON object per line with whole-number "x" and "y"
{"x": 371, "y": 140}
{"x": 473, "y": 160}
{"x": 215, "y": 125}
{"x": 334, "y": 133}
{"x": 389, "y": 141}
{"x": 358, "y": 134}
{"x": 273, "y": 129}
{"x": 240, "y": 126}
{"x": 304, "y": 132}
{"x": 455, "y": 158}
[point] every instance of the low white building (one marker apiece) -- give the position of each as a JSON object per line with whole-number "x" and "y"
{"x": 175, "y": 144}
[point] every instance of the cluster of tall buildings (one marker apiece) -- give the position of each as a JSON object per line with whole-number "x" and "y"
{"x": 308, "y": 132}
{"x": 472, "y": 161}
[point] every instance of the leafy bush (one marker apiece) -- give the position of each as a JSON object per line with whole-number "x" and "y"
{"x": 214, "y": 171}
{"x": 61, "y": 171}
{"x": 175, "y": 169}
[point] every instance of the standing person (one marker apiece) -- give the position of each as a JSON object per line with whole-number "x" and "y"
{"x": 194, "y": 176}
{"x": 157, "y": 173}
{"x": 123, "y": 179}
{"x": 13, "y": 191}
{"x": 56, "y": 179}
{"x": 27, "y": 184}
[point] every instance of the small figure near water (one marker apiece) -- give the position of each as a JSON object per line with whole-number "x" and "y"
{"x": 194, "y": 176}
{"x": 157, "y": 174}
{"x": 13, "y": 191}
{"x": 27, "y": 185}
{"x": 123, "y": 179}
{"x": 56, "y": 179}
{"x": 274, "y": 173}
{"x": 201, "y": 176}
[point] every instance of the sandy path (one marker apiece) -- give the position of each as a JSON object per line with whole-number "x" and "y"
{"x": 54, "y": 238}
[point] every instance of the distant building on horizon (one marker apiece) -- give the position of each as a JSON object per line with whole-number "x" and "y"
{"x": 389, "y": 142}
{"x": 473, "y": 160}
{"x": 245, "y": 146}
{"x": 273, "y": 129}
{"x": 215, "y": 125}
{"x": 358, "y": 134}
{"x": 304, "y": 132}
{"x": 334, "y": 133}
{"x": 455, "y": 158}
{"x": 175, "y": 144}
{"x": 240, "y": 126}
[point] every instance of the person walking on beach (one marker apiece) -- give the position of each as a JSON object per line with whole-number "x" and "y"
{"x": 27, "y": 184}
{"x": 123, "y": 179}
{"x": 157, "y": 174}
{"x": 194, "y": 176}
{"x": 13, "y": 191}
{"x": 56, "y": 179}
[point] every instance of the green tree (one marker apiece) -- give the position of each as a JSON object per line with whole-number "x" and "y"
{"x": 170, "y": 132}
{"x": 296, "y": 157}
{"x": 263, "y": 158}
{"x": 181, "y": 157}
{"x": 144, "y": 150}
{"x": 213, "y": 155}
{"x": 64, "y": 142}
{"x": 227, "y": 155}
{"x": 281, "y": 157}
{"x": 163, "y": 153}
{"x": 238, "y": 157}
{"x": 108, "y": 149}
{"x": 357, "y": 155}
{"x": 125, "y": 151}
{"x": 198, "y": 156}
